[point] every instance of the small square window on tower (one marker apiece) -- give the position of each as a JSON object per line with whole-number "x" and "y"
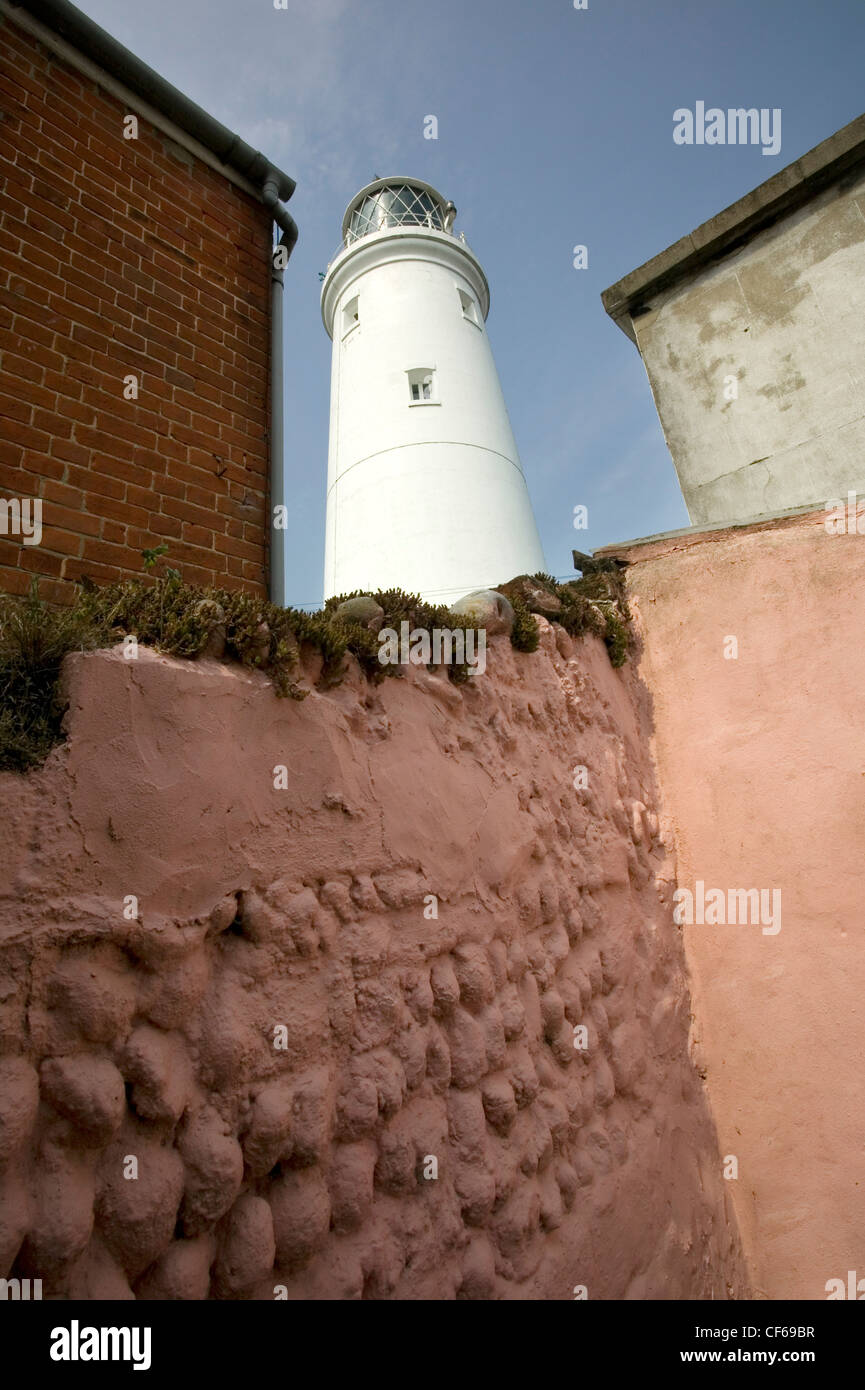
{"x": 350, "y": 316}
{"x": 422, "y": 386}
{"x": 469, "y": 308}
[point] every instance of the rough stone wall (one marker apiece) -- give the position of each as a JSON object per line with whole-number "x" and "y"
{"x": 407, "y": 1036}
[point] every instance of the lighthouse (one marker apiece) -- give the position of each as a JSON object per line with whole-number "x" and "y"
{"x": 425, "y": 489}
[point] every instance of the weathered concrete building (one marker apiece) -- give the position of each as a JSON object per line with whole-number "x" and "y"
{"x": 752, "y": 331}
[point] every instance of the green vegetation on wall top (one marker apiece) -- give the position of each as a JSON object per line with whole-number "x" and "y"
{"x": 183, "y": 620}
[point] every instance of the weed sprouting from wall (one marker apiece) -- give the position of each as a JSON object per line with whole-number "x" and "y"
{"x": 34, "y": 639}
{"x": 524, "y": 635}
{"x": 597, "y": 604}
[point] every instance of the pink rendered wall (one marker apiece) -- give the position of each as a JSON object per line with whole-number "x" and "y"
{"x": 303, "y": 1167}
{"x": 762, "y": 764}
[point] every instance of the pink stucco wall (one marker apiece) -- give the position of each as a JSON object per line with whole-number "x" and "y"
{"x": 283, "y": 1033}
{"x": 762, "y": 765}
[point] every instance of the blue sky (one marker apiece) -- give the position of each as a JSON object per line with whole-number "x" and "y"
{"x": 554, "y": 128}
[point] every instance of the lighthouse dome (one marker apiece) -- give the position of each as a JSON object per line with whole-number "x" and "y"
{"x": 396, "y": 202}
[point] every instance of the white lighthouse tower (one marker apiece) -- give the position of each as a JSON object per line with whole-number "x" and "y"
{"x": 425, "y": 490}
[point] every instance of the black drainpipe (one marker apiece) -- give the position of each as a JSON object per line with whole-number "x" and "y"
{"x": 278, "y": 493}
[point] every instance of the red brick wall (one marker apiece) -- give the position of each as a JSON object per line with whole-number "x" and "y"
{"x": 122, "y": 257}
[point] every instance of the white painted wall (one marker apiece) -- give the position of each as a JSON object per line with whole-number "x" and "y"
{"x": 430, "y": 498}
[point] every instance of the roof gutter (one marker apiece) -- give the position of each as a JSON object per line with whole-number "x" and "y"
{"x": 94, "y": 43}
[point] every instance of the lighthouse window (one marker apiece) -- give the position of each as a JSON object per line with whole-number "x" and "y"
{"x": 469, "y": 308}
{"x": 395, "y": 205}
{"x": 421, "y": 386}
{"x": 350, "y": 317}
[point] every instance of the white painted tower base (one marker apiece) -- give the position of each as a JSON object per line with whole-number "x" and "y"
{"x": 425, "y": 488}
